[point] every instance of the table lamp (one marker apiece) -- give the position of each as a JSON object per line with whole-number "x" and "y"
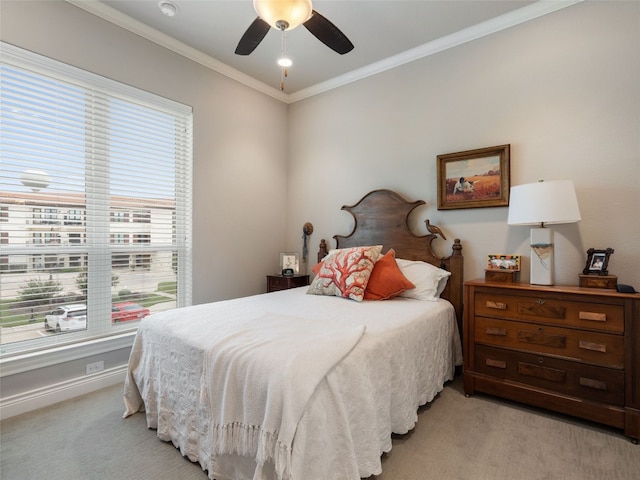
{"x": 543, "y": 203}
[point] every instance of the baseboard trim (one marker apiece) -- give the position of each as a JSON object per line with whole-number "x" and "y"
{"x": 59, "y": 392}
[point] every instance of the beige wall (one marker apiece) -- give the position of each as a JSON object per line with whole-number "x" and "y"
{"x": 563, "y": 90}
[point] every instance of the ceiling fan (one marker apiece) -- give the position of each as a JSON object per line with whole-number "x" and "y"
{"x": 287, "y": 15}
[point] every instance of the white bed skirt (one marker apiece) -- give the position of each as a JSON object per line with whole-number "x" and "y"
{"x": 407, "y": 354}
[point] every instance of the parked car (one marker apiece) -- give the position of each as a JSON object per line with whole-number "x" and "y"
{"x": 122, "y": 312}
{"x": 66, "y": 318}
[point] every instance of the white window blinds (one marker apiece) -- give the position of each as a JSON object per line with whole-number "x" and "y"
{"x": 95, "y": 197}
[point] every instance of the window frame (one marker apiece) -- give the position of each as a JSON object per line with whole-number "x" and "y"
{"x": 16, "y": 57}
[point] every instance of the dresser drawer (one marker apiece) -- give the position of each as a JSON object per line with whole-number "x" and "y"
{"x": 590, "y": 347}
{"x": 594, "y": 316}
{"x": 278, "y": 283}
{"x": 598, "y": 384}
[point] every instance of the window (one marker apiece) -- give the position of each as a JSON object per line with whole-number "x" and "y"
{"x": 36, "y": 215}
{"x": 142, "y": 238}
{"x": 81, "y": 155}
{"x": 75, "y": 238}
{"x": 50, "y": 216}
{"x": 142, "y": 217}
{"x": 74, "y": 217}
{"x": 120, "y": 238}
{"x": 52, "y": 238}
{"x": 119, "y": 216}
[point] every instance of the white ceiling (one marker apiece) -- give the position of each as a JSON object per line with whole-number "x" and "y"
{"x": 385, "y": 34}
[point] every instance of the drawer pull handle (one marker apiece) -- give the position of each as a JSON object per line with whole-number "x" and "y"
{"x": 540, "y": 301}
{"x": 496, "y": 331}
{"x": 591, "y": 383}
{"x": 495, "y": 363}
{"x": 593, "y": 316}
{"x": 496, "y": 305}
{"x": 596, "y": 347}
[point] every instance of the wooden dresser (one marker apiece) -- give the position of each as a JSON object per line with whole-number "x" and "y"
{"x": 569, "y": 349}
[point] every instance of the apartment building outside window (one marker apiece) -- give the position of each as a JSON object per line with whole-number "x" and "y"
{"x": 95, "y": 201}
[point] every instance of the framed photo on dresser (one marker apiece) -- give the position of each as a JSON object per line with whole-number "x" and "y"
{"x": 597, "y": 261}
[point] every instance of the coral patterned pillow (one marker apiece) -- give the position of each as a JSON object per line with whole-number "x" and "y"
{"x": 386, "y": 280}
{"x": 346, "y": 273}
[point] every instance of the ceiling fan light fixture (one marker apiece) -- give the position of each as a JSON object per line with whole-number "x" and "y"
{"x": 168, "y": 9}
{"x": 293, "y": 12}
{"x": 285, "y": 62}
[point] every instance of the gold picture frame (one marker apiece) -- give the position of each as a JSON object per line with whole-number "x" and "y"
{"x": 474, "y": 178}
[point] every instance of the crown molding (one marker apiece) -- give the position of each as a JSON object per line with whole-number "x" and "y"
{"x": 469, "y": 34}
{"x": 508, "y": 20}
{"x": 112, "y": 15}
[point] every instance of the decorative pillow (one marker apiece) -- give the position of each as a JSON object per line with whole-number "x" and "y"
{"x": 316, "y": 268}
{"x": 386, "y": 280}
{"x": 429, "y": 280}
{"x": 346, "y": 272}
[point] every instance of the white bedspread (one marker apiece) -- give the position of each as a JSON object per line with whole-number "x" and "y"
{"x": 405, "y": 356}
{"x": 261, "y": 374}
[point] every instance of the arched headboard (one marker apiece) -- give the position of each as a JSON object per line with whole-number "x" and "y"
{"x": 381, "y": 218}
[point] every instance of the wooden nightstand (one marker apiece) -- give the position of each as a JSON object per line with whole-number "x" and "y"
{"x": 280, "y": 282}
{"x": 574, "y": 350}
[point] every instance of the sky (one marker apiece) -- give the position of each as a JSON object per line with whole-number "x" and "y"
{"x": 469, "y": 168}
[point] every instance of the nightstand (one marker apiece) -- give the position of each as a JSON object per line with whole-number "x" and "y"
{"x": 574, "y": 350}
{"x": 280, "y": 282}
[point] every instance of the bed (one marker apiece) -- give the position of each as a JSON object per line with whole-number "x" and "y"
{"x": 302, "y": 384}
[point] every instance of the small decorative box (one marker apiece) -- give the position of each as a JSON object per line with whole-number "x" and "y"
{"x": 599, "y": 281}
{"x": 503, "y": 276}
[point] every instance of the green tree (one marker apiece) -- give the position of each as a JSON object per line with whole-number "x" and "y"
{"x": 81, "y": 281}
{"x": 37, "y": 291}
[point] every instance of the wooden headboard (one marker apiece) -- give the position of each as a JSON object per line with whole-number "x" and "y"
{"x": 381, "y": 218}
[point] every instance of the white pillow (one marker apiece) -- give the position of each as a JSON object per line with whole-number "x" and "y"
{"x": 430, "y": 281}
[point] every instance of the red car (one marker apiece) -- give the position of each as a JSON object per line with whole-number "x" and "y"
{"x": 122, "y": 312}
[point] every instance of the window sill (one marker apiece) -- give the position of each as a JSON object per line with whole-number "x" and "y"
{"x": 44, "y": 358}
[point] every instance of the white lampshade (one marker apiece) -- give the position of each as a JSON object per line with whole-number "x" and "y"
{"x": 539, "y": 204}
{"x": 294, "y": 12}
{"x": 543, "y": 202}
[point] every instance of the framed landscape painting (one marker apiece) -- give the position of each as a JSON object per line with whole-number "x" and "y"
{"x": 474, "y": 178}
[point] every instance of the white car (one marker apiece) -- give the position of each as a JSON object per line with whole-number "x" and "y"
{"x": 66, "y": 318}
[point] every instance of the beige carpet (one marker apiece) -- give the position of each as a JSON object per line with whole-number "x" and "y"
{"x": 477, "y": 438}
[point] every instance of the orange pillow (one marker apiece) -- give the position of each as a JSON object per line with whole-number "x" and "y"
{"x": 386, "y": 280}
{"x": 316, "y": 268}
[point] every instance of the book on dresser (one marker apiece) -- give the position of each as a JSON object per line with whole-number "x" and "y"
{"x": 574, "y": 350}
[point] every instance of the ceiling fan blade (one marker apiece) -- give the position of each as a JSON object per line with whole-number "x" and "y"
{"x": 252, "y": 37}
{"x": 328, "y": 33}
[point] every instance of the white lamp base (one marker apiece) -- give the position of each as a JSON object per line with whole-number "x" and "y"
{"x": 542, "y": 256}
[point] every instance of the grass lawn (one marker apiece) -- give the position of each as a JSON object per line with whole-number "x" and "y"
{"x": 10, "y": 318}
